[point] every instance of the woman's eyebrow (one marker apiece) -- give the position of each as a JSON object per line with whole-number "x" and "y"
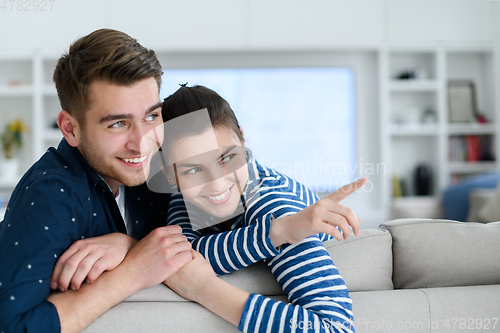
{"x": 227, "y": 151}
{"x": 186, "y": 165}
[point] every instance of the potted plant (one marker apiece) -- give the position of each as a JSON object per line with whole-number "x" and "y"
{"x": 12, "y": 141}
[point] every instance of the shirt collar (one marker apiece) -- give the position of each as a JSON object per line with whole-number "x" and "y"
{"x": 78, "y": 162}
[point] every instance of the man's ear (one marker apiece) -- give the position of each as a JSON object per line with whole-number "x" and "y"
{"x": 70, "y": 128}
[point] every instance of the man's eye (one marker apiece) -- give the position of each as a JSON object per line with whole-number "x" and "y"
{"x": 152, "y": 117}
{"x": 118, "y": 124}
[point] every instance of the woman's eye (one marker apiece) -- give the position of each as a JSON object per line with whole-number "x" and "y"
{"x": 227, "y": 158}
{"x": 192, "y": 171}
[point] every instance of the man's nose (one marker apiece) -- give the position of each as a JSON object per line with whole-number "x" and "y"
{"x": 134, "y": 138}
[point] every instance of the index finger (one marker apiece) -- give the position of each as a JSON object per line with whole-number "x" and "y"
{"x": 172, "y": 229}
{"x": 343, "y": 192}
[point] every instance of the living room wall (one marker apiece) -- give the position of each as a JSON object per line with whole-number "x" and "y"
{"x": 353, "y": 30}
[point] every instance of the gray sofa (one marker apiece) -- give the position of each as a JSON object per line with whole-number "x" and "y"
{"x": 411, "y": 275}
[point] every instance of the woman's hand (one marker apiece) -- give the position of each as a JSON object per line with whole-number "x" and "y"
{"x": 196, "y": 281}
{"x": 192, "y": 278}
{"x": 324, "y": 216}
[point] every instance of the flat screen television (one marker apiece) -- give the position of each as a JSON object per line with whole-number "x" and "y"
{"x": 300, "y": 121}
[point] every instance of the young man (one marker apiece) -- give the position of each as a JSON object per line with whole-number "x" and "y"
{"x": 108, "y": 86}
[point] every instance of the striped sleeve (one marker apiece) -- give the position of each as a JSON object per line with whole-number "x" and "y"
{"x": 319, "y": 299}
{"x": 227, "y": 251}
{"x": 178, "y": 215}
{"x": 279, "y": 196}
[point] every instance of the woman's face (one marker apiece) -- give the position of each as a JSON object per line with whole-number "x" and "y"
{"x": 210, "y": 170}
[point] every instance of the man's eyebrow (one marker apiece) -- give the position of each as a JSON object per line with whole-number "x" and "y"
{"x": 112, "y": 117}
{"x": 153, "y": 108}
{"x": 115, "y": 117}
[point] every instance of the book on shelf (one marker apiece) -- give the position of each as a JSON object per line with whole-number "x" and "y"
{"x": 471, "y": 148}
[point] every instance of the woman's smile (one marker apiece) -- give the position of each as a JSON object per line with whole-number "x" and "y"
{"x": 221, "y": 198}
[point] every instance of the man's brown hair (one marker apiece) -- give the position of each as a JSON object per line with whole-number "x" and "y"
{"x": 105, "y": 54}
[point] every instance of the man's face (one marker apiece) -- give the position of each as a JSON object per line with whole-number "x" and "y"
{"x": 116, "y": 121}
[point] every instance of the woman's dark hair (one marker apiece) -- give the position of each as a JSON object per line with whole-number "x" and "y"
{"x": 188, "y": 99}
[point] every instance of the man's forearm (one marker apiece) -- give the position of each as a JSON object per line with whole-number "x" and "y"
{"x": 78, "y": 309}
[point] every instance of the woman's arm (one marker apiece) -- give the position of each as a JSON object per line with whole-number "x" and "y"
{"x": 227, "y": 251}
{"x": 319, "y": 299}
{"x": 325, "y": 304}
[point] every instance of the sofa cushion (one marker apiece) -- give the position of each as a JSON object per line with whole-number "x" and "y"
{"x": 390, "y": 310}
{"x": 464, "y": 309}
{"x": 444, "y": 253}
{"x": 364, "y": 261}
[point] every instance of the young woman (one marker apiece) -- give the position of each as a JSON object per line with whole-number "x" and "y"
{"x": 229, "y": 207}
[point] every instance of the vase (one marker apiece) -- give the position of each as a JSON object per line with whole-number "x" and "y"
{"x": 8, "y": 169}
{"x": 423, "y": 180}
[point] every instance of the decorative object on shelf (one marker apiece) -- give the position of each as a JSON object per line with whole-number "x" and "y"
{"x": 9, "y": 169}
{"x": 399, "y": 188}
{"x": 429, "y": 116}
{"x": 412, "y": 74}
{"x": 423, "y": 180}
{"x": 481, "y": 118}
{"x": 12, "y": 137}
{"x": 462, "y": 101}
{"x": 396, "y": 187}
{"x": 12, "y": 140}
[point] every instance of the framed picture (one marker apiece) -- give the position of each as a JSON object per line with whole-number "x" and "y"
{"x": 461, "y": 101}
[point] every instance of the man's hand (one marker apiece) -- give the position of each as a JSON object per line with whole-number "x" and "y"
{"x": 157, "y": 256}
{"x": 150, "y": 262}
{"x": 88, "y": 259}
{"x": 324, "y": 216}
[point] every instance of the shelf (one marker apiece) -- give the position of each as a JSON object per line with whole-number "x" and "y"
{"x": 22, "y": 90}
{"x": 471, "y": 167}
{"x": 414, "y": 130}
{"x": 474, "y": 128}
{"x": 413, "y": 85}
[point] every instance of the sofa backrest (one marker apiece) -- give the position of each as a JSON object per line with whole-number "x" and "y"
{"x": 442, "y": 253}
{"x": 364, "y": 261}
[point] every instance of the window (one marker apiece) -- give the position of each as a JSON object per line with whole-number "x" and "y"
{"x": 299, "y": 121}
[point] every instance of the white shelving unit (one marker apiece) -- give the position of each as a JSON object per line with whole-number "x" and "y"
{"x": 406, "y": 140}
{"x": 27, "y": 92}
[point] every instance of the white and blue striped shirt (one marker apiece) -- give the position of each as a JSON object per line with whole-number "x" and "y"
{"x": 319, "y": 299}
